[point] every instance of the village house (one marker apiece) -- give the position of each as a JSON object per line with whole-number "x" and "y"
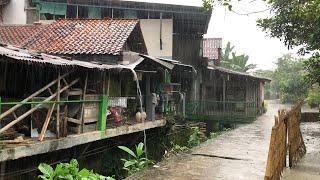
{"x": 93, "y": 66}
{"x": 98, "y": 45}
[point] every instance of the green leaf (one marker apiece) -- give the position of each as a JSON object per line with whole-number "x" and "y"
{"x": 84, "y": 173}
{"x": 129, "y": 163}
{"x": 129, "y": 151}
{"x": 46, "y": 169}
{"x": 139, "y": 149}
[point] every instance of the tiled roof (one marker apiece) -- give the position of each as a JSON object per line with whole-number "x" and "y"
{"x": 18, "y": 34}
{"x": 83, "y": 36}
{"x": 211, "y": 47}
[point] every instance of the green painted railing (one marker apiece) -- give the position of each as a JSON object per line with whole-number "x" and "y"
{"x": 103, "y": 104}
{"x": 222, "y": 111}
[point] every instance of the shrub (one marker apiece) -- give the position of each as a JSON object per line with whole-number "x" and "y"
{"x": 137, "y": 162}
{"x": 68, "y": 171}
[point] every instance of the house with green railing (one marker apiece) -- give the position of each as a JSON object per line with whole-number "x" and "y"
{"x": 75, "y": 82}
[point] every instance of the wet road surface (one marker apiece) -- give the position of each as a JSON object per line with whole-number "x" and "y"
{"x": 245, "y": 149}
{"x": 239, "y": 154}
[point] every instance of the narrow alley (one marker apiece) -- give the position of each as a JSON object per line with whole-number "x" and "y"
{"x": 238, "y": 154}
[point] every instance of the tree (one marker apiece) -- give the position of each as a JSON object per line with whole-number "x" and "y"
{"x": 296, "y": 23}
{"x": 288, "y": 81}
{"x": 231, "y": 60}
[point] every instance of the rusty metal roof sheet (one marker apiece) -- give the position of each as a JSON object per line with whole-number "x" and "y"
{"x": 18, "y": 34}
{"x": 83, "y": 36}
{"x": 229, "y": 71}
{"x": 24, "y": 56}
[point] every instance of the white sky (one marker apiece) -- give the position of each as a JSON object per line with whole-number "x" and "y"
{"x": 241, "y": 30}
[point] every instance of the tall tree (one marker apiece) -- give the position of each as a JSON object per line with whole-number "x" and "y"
{"x": 297, "y": 23}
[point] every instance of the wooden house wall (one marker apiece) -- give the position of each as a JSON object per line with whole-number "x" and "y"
{"x": 186, "y": 48}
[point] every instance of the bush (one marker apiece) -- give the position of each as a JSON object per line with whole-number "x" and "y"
{"x": 196, "y": 137}
{"x": 68, "y": 171}
{"x": 137, "y": 162}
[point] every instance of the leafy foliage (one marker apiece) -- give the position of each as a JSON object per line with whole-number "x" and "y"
{"x": 288, "y": 82}
{"x": 296, "y": 23}
{"x": 176, "y": 148}
{"x": 68, "y": 171}
{"x": 209, "y": 4}
{"x": 137, "y": 162}
{"x": 313, "y": 98}
{"x": 236, "y": 62}
{"x": 196, "y": 137}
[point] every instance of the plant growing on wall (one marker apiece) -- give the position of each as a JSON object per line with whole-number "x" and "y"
{"x": 68, "y": 171}
{"x": 137, "y": 162}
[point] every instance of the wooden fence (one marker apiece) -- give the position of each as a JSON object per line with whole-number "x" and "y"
{"x": 286, "y": 138}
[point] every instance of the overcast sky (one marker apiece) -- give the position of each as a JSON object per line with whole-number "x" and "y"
{"x": 241, "y": 30}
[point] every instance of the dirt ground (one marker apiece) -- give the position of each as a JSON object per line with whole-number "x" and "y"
{"x": 238, "y": 154}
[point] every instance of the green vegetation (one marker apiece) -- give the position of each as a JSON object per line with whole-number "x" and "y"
{"x": 288, "y": 82}
{"x": 137, "y": 162}
{"x": 231, "y": 60}
{"x": 196, "y": 137}
{"x": 314, "y": 96}
{"x": 294, "y": 22}
{"x": 68, "y": 171}
{"x": 176, "y": 148}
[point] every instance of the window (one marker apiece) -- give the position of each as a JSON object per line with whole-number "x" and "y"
{"x": 117, "y": 13}
{"x": 71, "y": 11}
{"x": 142, "y": 14}
{"x": 106, "y": 12}
{"x": 130, "y": 14}
{"x": 94, "y": 12}
{"x": 51, "y": 11}
{"x": 82, "y": 12}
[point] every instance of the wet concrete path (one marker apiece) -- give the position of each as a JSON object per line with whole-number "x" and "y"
{"x": 240, "y": 154}
{"x": 246, "y": 147}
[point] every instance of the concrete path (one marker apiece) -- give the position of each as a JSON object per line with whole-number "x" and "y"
{"x": 242, "y": 155}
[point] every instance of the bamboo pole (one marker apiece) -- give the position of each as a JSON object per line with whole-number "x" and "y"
{"x": 30, "y": 97}
{"x": 46, "y": 123}
{"x": 83, "y": 98}
{"x": 35, "y": 108}
{"x": 58, "y": 107}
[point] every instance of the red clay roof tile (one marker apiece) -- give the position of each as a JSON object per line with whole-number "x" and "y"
{"x": 83, "y": 36}
{"x": 18, "y": 34}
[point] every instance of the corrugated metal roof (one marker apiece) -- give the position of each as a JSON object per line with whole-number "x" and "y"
{"x": 22, "y": 55}
{"x": 229, "y": 71}
{"x": 83, "y": 36}
{"x": 159, "y": 61}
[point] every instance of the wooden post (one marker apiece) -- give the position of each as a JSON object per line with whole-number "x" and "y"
{"x": 46, "y": 123}
{"x": 65, "y": 121}
{"x": 58, "y": 107}
{"x": 103, "y": 113}
{"x": 83, "y": 98}
{"x": 224, "y": 93}
{"x": 2, "y": 170}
